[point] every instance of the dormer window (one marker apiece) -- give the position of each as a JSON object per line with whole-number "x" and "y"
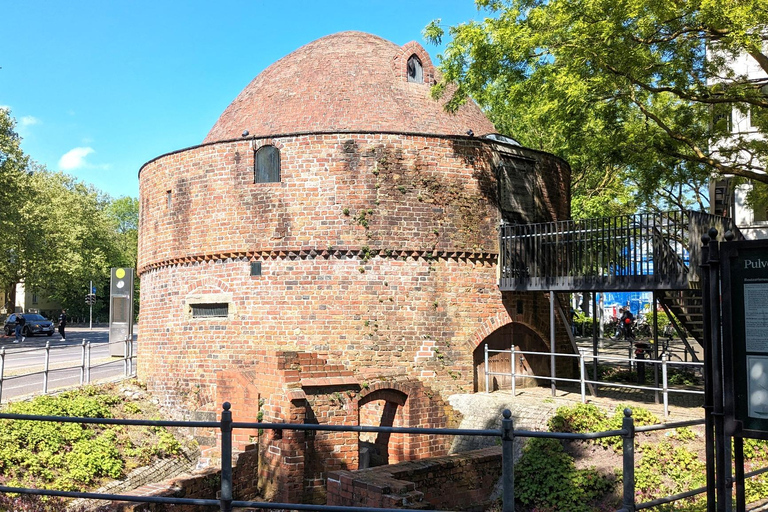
{"x": 267, "y": 165}
{"x": 415, "y": 70}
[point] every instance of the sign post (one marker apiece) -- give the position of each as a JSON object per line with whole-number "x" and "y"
{"x": 120, "y": 310}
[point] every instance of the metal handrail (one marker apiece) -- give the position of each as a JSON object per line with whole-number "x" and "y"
{"x": 507, "y": 434}
{"x": 650, "y": 247}
{"x": 583, "y": 381}
{"x": 85, "y": 365}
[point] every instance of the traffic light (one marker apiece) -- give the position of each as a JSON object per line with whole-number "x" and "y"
{"x": 90, "y": 299}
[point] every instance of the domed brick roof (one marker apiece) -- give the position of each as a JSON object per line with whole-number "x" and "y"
{"x": 350, "y": 81}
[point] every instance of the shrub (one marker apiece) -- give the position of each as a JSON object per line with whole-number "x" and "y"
{"x": 72, "y": 456}
{"x": 579, "y": 419}
{"x": 547, "y": 479}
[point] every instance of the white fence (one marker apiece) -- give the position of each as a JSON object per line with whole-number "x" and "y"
{"x": 664, "y": 363}
{"x": 84, "y": 366}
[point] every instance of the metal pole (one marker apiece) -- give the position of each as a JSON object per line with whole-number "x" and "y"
{"x": 552, "y": 341}
{"x": 595, "y": 346}
{"x": 87, "y": 362}
{"x": 628, "y": 425}
{"x": 582, "y": 377}
{"x": 46, "y": 366}
{"x": 507, "y": 462}
{"x": 82, "y": 363}
{"x": 130, "y": 354}
{"x": 738, "y": 455}
{"x": 2, "y": 370}
{"x": 125, "y": 356}
{"x": 487, "y": 377}
{"x": 656, "y": 349}
{"x": 716, "y": 362}
{"x": 226, "y": 458}
{"x": 665, "y": 389}
{"x": 512, "y": 364}
{"x": 709, "y": 425}
{"x": 90, "y": 307}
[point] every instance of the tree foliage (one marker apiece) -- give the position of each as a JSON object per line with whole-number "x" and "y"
{"x": 58, "y": 234}
{"x": 624, "y": 90}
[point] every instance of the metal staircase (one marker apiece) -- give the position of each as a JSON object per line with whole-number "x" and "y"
{"x": 643, "y": 252}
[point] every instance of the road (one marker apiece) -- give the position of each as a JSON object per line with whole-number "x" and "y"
{"x": 65, "y": 361}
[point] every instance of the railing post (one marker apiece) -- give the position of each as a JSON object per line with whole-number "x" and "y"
{"x": 130, "y": 356}
{"x": 665, "y": 384}
{"x": 46, "y": 366}
{"x": 82, "y": 363}
{"x": 628, "y": 425}
{"x": 125, "y": 356}
{"x": 582, "y": 377}
{"x": 87, "y": 362}
{"x": 512, "y": 364}
{"x": 225, "y": 498}
{"x": 487, "y": 377}
{"x": 508, "y": 462}
{"x": 2, "y": 370}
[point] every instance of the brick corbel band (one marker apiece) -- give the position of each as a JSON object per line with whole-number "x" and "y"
{"x": 325, "y": 253}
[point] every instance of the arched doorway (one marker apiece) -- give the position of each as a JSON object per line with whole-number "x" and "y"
{"x": 380, "y": 408}
{"x": 503, "y": 338}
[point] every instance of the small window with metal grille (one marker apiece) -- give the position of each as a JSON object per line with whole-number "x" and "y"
{"x": 219, "y": 310}
{"x": 266, "y": 167}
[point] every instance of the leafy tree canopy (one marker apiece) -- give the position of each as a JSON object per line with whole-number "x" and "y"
{"x": 58, "y": 234}
{"x": 624, "y": 90}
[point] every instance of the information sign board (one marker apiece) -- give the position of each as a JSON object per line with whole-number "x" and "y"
{"x": 744, "y": 266}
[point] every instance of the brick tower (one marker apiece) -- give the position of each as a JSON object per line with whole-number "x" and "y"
{"x": 328, "y": 254}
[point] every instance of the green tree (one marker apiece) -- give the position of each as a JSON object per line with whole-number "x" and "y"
{"x": 58, "y": 234}
{"x": 625, "y": 90}
{"x": 77, "y": 241}
{"x": 123, "y": 213}
{"x": 14, "y": 192}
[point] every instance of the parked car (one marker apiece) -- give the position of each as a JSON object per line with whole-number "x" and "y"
{"x": 36, "y": 324}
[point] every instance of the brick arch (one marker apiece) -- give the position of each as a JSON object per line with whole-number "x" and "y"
{"x": 382, "y": 406}
{"x": 384, "y": 393}
{"x": 495, "y": 322}
{"x": 523, "y": 338}
{"x": 205, "y": 284}
{"x": 416, "y": 406}
{"x": 400, "y": 62}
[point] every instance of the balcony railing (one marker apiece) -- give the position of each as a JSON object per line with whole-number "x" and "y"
{"x": 629, "y": 252}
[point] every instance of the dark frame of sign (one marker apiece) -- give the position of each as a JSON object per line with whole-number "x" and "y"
{"x": 744, "y": 294}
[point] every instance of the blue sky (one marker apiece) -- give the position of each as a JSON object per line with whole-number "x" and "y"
{"x": 98, "y": 88}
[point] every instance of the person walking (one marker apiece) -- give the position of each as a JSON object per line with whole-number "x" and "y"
{"x": 63, "y": 324}
{"x": 20, "y": 323}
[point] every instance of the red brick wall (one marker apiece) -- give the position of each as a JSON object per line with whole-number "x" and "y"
{"x": 453, "y": 482}
{"x": 378, "y": 251}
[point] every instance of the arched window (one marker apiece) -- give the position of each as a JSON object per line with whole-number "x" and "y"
{"x": 267, "y": 165}
{"x": 415, "y": 70}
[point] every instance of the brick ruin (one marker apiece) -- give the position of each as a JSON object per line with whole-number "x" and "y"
{"x": 358, "y": 288}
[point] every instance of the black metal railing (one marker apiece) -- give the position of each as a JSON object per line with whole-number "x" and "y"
{"x": 226, "y": 502}
{"x": 645, "y": 251}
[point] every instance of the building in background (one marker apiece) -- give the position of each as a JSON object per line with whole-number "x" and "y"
{"x": 727, "y": 196}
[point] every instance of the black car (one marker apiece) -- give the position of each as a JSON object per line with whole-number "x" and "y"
{"x": 36, "y": 324}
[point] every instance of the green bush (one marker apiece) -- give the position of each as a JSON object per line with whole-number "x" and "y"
{"x": 72, "y": 456}
{"x": 664, "y": 469}
{"x": 579, "y": 418}
{"x": 547, "y": 479}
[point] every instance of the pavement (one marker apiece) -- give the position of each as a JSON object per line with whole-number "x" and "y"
{"x": 532, "y": 407}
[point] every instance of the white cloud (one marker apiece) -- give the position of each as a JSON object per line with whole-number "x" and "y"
{"x": 75, "y": 159}
{"x": 29, "y": 120}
